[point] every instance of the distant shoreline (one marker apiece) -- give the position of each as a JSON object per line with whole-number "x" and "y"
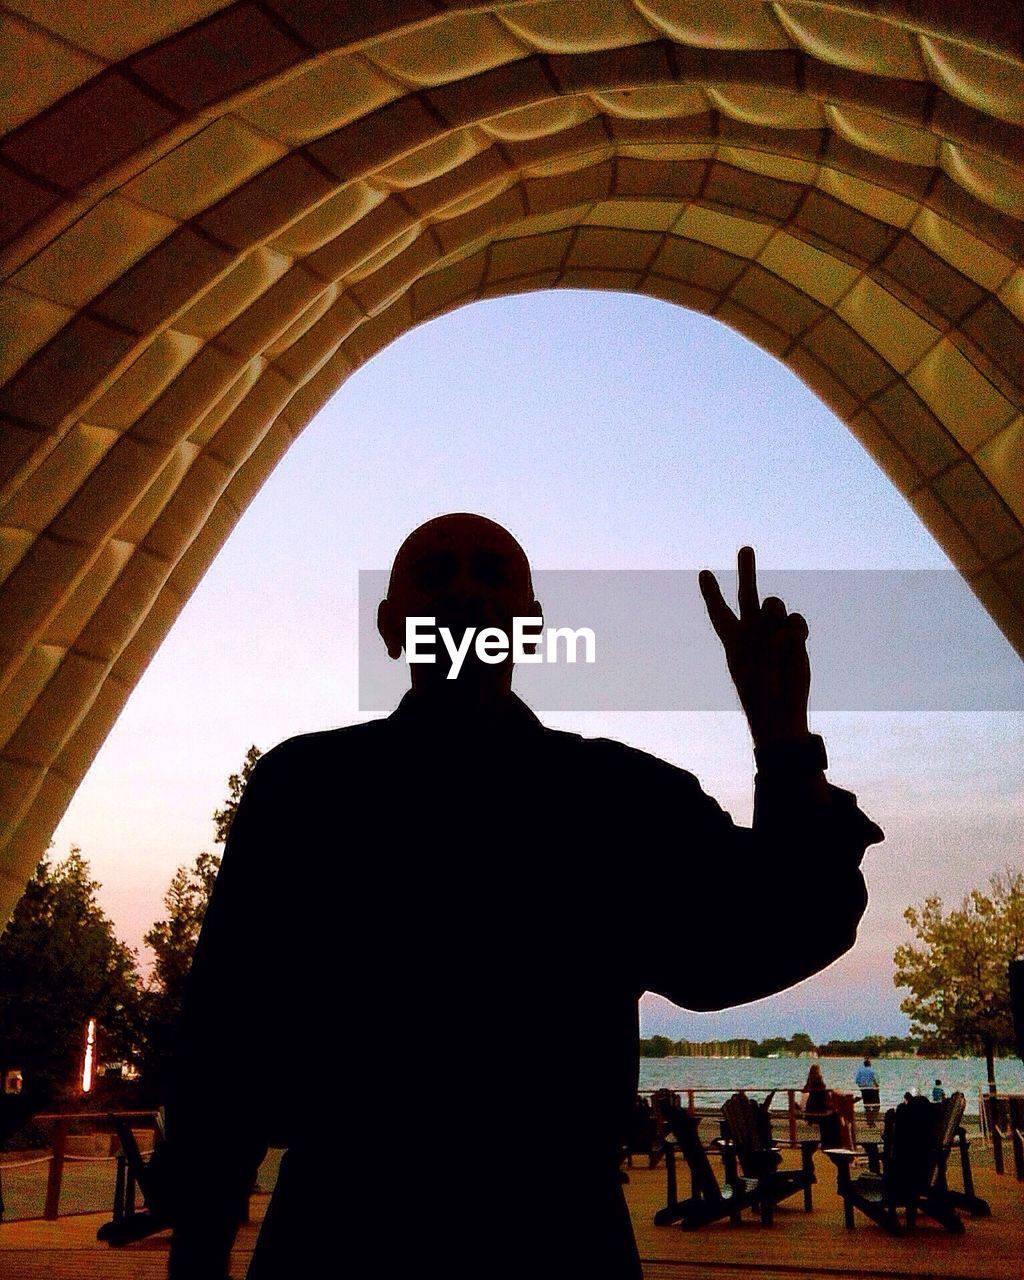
{"x": 812, "y": 1055}
{"x": 717, "y": 1077}
{"x": 800, "y": 1045}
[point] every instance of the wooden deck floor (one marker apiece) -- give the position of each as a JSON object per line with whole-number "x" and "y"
{"x": 816, "y": 1245}
{"x": 812, "y": 1246}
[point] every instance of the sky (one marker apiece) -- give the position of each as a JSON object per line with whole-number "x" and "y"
{"x": 605, "y": 431}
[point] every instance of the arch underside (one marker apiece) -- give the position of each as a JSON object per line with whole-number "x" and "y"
{"x": 201, "y": 246}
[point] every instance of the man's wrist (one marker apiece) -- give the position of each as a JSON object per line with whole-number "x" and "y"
{"x": 805, "y": 754}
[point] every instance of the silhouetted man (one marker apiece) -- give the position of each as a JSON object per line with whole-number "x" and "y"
{"x": 415, "y": 914}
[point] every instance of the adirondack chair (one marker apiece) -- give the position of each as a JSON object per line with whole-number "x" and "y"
{"x": 648, "y": 1129}
{"x": 642, "y": 1138}
{"x": 708, "y": 1202}
{"x": 918, "y": 1138}
{"x": 747, "y": 1128}
{"x": 952, "y": 1134}
{"x": 664, "y": 1104}
{"x": 135, "y": 1171}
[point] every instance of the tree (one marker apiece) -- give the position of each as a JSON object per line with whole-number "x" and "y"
{"x": 958, "y": 977}
{"x": 773, "y": 1044}
{"x": 236, "y": 785}
{"x": 173, "y": 939}
{"x": 173, "y": 942}
{"x": 656, "y": 1047}
{"x": 60, "y": 965}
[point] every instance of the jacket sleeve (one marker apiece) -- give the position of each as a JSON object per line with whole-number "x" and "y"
{"x": 752, "y": 911}
{"x": 217, "y": 1126}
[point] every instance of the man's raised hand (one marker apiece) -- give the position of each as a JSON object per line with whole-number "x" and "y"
{"x": 766, "y": 651}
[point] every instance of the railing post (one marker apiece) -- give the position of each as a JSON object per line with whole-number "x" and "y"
{"x": 966, "y": 1176}
{"x": 671, "y": 1187}
{"x": 1016, "y": 1119}
{"x": 791, "y": 1093}
{"x": 56, "y": 1174}
{"x": 997, "y": 1137}
{"x": 690, "y": 1104}
{"x": 119, "y": 1185}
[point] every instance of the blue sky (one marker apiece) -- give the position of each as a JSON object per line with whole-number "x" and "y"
{"x": 607, "y": 432}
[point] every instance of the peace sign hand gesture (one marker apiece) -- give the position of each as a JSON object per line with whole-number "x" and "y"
{"x": 766, "y": 651}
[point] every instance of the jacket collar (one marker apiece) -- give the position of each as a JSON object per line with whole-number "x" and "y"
{"x": 435, "y": 714}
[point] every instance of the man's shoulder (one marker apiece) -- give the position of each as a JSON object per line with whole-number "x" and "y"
{"x": 321, "y": 746}
{"x": 620, "y": 759}
{"x": 336, "y": 748}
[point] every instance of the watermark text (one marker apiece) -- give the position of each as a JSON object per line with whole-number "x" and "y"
{"x": 529, "y": 643}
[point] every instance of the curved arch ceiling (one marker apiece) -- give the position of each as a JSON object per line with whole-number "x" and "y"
{"x": 213, "y": 213}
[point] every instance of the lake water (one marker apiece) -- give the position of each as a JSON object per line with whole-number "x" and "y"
{"x": 895, "y": 1075}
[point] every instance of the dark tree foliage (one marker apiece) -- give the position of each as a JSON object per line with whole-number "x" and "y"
{"x": 872, "y": 1047}
{"x": 658, "y": 1047}
{"x": 60, "y": 965}
{"x": 236, "y": 785}
{"x": 798, "y": 1042}
{"x": 173, "y": 939}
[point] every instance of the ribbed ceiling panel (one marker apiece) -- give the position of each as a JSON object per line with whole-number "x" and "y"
{"x": 213, "y": 213}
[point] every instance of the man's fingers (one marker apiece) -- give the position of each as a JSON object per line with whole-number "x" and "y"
{"x": 747, "y": 572}
{"x": 790, "y": 628}
{"x": 773, "y": 610}
{"x": 798, "y": 625}
{"x": 722, "y": 617}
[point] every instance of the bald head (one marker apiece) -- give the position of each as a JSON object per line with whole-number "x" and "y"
{"x": 461, "y": 569}
{"x": 433, "y": 550}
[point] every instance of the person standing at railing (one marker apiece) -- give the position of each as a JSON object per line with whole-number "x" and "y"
{"x": 866, "y": 1081}
{"x": 816, "y": 1097}
{"x": 819, "y": 1108}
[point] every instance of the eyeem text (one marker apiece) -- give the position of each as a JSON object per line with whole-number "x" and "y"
{"x": 492, "y": 645}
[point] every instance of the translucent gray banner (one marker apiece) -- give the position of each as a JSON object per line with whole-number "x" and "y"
{"x": 880, "y": 640}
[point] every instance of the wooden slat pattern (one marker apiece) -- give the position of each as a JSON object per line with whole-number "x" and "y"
{"x": 812, "y": 1246}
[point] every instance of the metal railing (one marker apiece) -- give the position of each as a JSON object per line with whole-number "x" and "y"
{"x": 1002, "y": 1122}
{"x": 792, "y": 1114}
{"x": 59, "y": 1156}
{"x": 112, "y": 1189}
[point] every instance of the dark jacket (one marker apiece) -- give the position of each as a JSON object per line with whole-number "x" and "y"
{"x": 422, "y": 945}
